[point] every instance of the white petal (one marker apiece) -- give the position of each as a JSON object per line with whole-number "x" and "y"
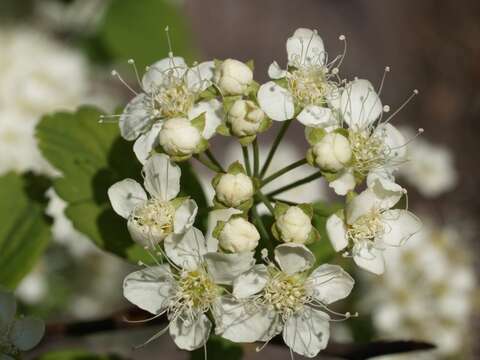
{"x": 224, "y": 268}
{"x": 276, "y": 101}
{"x": 275, "y": 72}
{"x": 145, "y": 143}
{"x": 213, "y": 110}
{"x": 162, "y": 177}
{"x": 330, "y": 283}
{"x": 125, "y": 195}
{"x": 189, "y": 336}
{"x": 293, "y": 258}
{"x": 305, "y": 47}
{"x": 395, "y": 142}
{"x": 214, "y": 217}
{"x": 239, "y": 322}
{"x": 317, "y": 117}
{"x": 344, "y": 184}
{"x": 135, "y": 119}
{"x": 185, "y": 216}
{"x": 386, "y": 189}
{"x": 369, "y": 258}
{"x": 337, "y": 232}
{"x": 187, "y": 249}
{"x": 399, "y": 226}
{"x": 158, "y": 72}
{"x": 360, "y": 104}
{"x": 200, "y": 77}
{"x": 307, "y": 332}
{"x": 150, "y": 288}
{"x": 8, "y": 308}
{"x": 26, "y": 333}
{"x": 250, "y": 282}
{"x": 362, "y": 204}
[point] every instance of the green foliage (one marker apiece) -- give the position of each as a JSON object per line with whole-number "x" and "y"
{"x": 76, "y": 355}
{"x": 136, "y": 29}
{"x": 219, "y": 349}
{"x": 25, "y": 231}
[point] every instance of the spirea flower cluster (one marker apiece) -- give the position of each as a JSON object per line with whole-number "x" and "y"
{"x": 226, "y": 281}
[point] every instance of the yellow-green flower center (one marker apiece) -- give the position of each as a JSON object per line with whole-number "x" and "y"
{"x": 308, "y": 85}
{"x": 174, "y": 99}
{"x": 157, "y": 216}
{"x": 196, "y": 291}
{"x": 368, "y": 151}
{"x": 366, "y": 227}
{"x": 286, "y": 293}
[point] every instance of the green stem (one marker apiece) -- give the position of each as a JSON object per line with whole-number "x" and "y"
{"x": 207, "y": 163}
{"x": 256, "y": 158}
{"x": 295, "y": 184}
{"x": 265, "y": 200}
{"x": 214, "y": 160}
{"x": 246, "y": 159}
{"x": 284, "y": 170}
{"x": 258, "y": 221}
{"x": 273, "y": 149}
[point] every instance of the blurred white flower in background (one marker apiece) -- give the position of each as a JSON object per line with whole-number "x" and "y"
{"x": 427, "y": 292}
{"x": 430, "y": 167}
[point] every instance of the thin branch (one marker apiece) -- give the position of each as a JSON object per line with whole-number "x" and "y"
{"x": 273, "y": 149}
{"x": 286, "y": 169}
{"x": 295, "y": 184}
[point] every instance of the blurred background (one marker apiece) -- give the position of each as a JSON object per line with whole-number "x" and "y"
{"x": 58, "y": 54}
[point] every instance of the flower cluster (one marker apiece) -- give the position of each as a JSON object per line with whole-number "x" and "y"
{"x": 211, "y": 281}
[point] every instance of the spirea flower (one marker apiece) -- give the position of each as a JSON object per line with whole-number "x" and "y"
{"x": 187, "y": 289}
{"x": 293, "y": 224}
{"x": 233, "y": 77}
{"x": 151, "y": 219}
{"x": 306, "y": 87}
{"x": 288, "y": 298}
{"x": 369, "y": 225}
{"x": 16, "y": 334}
{"x": 233, "y": 188}
{"x": 170, "y": 89}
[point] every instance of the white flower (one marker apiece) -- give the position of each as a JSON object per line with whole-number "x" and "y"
{"x": 234, "y": 189}
{"x": 288, "y": 298}
{"x": 238, "y": 235}
{"x": 375, "y": 145}
{"x": 233, "y": 77}
{"x": 370, "y": 225}
{"x": 170, "y": 89}
{"x": 150, "y": 220}
{"x": 294, "y": 225}
{"x": 430, "y": 168}
{"x": 16, "y": 335}
{"x": 437, "y": 264}
{"x": 309, "y": 83}
{"x": 332, "y": 152}
{"x": 187, "y": 289}
{"x": 179, "y": 137}
{"x": 245, "y": 117}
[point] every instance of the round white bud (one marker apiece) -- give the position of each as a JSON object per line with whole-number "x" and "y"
{"x": 179, "y": 137}
{"x": 245, "y": 117}
{"x": 239, "y": 235}
{"x": 232, "y": 190}
{"x": 332, "y": 152}
{"x": 233, "y": 77}
{"x": 294, "y": 225}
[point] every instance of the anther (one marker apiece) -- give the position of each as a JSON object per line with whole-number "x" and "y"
{"x": 416, "y": 91}
{"x": 386, "y": 108}
{"x": 341, "y": 37}
{"x": 387, "y": 68}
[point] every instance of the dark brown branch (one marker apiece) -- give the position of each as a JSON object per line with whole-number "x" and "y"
{"x": 118, "y": 321}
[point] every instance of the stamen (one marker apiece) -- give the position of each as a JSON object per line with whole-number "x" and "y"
{"x": 414, "y": 93}
{"x": 117, "y": 75}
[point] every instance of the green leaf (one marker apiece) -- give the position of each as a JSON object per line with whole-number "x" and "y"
{"x": 91, "y": 157}
{"x": 76, "y": 355}
{"x": 133, "y": 29}
{"x": 219, "y": 349}
{"x": 25, "y": 231}
{"x": 323, "y": 249}
{"x": 314, "y": 135}
{"x": 190, "y": 186}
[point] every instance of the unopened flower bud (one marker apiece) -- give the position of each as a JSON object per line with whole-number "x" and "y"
{"x": 294, "y": 225}
{"x": 333, "y": 152}
{"x": 232, "y": 190}
{"x": 233, "y": 77}
{"x": 179, "y": 137}
{"x": 245, "y": 117}
{"x": 239, "y": 235}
